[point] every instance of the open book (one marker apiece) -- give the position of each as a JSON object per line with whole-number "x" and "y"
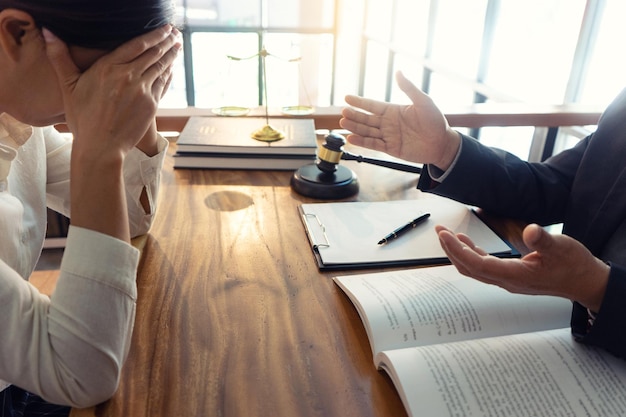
{"x": 454, "y": 346}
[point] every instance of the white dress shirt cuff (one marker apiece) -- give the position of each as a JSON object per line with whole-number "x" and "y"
{"x": 439, "y": 175}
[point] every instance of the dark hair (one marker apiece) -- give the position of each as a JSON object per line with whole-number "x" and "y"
{"x": 101, "y": 24}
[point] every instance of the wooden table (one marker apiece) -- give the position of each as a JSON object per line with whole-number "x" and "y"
{"x": 233, "y": 316}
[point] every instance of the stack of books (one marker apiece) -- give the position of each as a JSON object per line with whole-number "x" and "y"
{"x": 227, "y": 143}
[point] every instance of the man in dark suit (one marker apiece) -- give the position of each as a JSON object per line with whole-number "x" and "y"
{"x": 584, "y": 188}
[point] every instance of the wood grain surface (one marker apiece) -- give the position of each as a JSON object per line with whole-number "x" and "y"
{"x": 233, "y": 316}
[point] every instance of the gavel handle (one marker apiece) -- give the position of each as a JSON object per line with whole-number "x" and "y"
{"x": 387, "y": 164}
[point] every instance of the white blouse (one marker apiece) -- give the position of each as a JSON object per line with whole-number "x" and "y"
{"x": 68, "y": 348}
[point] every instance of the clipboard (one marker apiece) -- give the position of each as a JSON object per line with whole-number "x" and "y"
{"x": 345, "y": 235}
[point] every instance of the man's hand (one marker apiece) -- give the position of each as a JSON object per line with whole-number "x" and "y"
{"x": 558, "y": 265}
{"x": 418, "y": 132}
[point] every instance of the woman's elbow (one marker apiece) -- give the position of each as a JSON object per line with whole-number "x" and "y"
{"x": 92, "y": 393}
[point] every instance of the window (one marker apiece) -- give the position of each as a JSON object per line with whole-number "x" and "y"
{"x": 605, "y": 68}
{"x": 533, "y": 48}
{"x": 228, "y": 45}
{"x": 458, "y": 51}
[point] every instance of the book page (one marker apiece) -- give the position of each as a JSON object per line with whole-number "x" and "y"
{"x": 544, "y": 374}
{"x": 352, "y": 230}
{"x": 437, "y": 305}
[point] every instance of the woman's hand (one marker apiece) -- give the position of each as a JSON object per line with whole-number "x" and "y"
{"x": 111, "y": 105}
{"x": 110, "y": 108}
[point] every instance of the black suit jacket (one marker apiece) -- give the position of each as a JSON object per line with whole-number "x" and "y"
{"x": 584, "y": 188}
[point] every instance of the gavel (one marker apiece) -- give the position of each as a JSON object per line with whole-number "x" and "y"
{"x": 332, "y": 151}
{"x": 326, "y": 179}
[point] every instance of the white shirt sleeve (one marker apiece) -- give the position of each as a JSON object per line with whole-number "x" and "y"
{"x": 143, "y": 172}
{"x": 140, "y": 172}
{"x": 70, "y": 348}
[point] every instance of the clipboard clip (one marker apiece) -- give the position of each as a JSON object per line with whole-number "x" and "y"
{"x": 312, "y": 236}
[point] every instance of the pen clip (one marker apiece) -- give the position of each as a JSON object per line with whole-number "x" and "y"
{"x": 322, "y": 228}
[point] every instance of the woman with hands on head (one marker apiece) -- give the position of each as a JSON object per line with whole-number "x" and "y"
{"x": 101, "y": 66}
{"x": 586, "y": 264}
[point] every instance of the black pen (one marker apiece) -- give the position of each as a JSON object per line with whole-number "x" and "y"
{"x": 403, "y": 229}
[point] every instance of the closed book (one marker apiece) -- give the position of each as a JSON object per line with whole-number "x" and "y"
{"x": 233, "y": 135}
{"x": 241, "y": 161}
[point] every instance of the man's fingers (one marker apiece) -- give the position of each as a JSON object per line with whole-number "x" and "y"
{"x": 460, "y": 254}
{"x": 469, "y": 259}
{"x": 537, "y": 239}
{"x": 466, "y": 240}
{"x": 367, "y": 104}
{"x": 360, "y": 117}
{"x": 364, "y": 129}
{"x": 360, "y": 129}
{"x": 416, "y": 95}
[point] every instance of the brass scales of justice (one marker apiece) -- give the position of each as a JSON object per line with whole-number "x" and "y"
{"x": 266, "y": 133}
